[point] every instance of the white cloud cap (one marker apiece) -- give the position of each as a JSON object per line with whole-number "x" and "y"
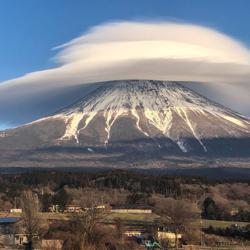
{"x": 106, "y": 52}
{"x": 138, "y": 50}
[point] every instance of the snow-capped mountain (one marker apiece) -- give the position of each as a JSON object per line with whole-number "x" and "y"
{"x": 142, "y": 115}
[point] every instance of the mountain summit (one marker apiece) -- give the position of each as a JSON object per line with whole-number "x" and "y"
{"x": 138, "y": 115}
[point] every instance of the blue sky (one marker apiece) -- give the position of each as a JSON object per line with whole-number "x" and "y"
{"x": 30, "y": 28}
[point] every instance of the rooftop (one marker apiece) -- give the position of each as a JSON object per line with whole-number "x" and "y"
{"x": 9, "y": 220}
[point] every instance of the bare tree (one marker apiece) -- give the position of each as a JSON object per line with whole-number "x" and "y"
{"x": 177, "y": 214}
{"x": 84, "y": 225}
{"x": 119, "y": 228}
{"x": 33, "y": 225}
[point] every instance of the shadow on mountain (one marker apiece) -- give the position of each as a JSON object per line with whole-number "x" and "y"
{"x": 154, "y": 148}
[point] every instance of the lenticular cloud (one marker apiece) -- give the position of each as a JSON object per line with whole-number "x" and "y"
{"x": 168, "y": 51}
{"x": 137, "y": 50}
{"x": 117, "y": 42}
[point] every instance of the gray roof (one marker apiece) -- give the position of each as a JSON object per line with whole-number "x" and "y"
{"x": 9, "y": 220}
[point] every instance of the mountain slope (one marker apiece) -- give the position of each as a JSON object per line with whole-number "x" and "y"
{"x": 141, "y": 115}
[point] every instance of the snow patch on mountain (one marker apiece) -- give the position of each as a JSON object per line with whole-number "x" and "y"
{"x": 158, "y": 101}
{"x": 183, "y": 113}
{"x": 235, "y": 121}
{"x": 72, "y": 126}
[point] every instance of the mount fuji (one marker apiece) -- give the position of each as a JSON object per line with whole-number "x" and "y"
{"x": 136, "y": 117}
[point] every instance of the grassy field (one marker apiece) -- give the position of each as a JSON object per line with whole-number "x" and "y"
{"x": 136, "y": 219}
{"x": 56, "y": 216}
{"x": 149, "y": 218}
{"x": 221, "y": 224}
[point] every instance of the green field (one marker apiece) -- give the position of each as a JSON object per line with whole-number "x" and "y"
{"x": 221, "y": 224}
{"x": 149, "y": 218}
{"x": 143, "y": 219}
{"x": 131, "y": 219}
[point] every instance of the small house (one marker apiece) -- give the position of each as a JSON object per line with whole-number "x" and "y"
{"x": 133, "y": 232}
{"x": 54, "y": 209}
{"x": 168, "y": 236}
{"x": 16, "y": 210}
{"x": 73, "y": 209}
{"x": 11, "y": 231}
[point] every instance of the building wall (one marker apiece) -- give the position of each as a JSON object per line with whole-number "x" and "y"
{"x": 132, "y": 211}
{"x": 7, "y": 239}
{"x": 132, "y": 233}
{"x": 20, "y": 239}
